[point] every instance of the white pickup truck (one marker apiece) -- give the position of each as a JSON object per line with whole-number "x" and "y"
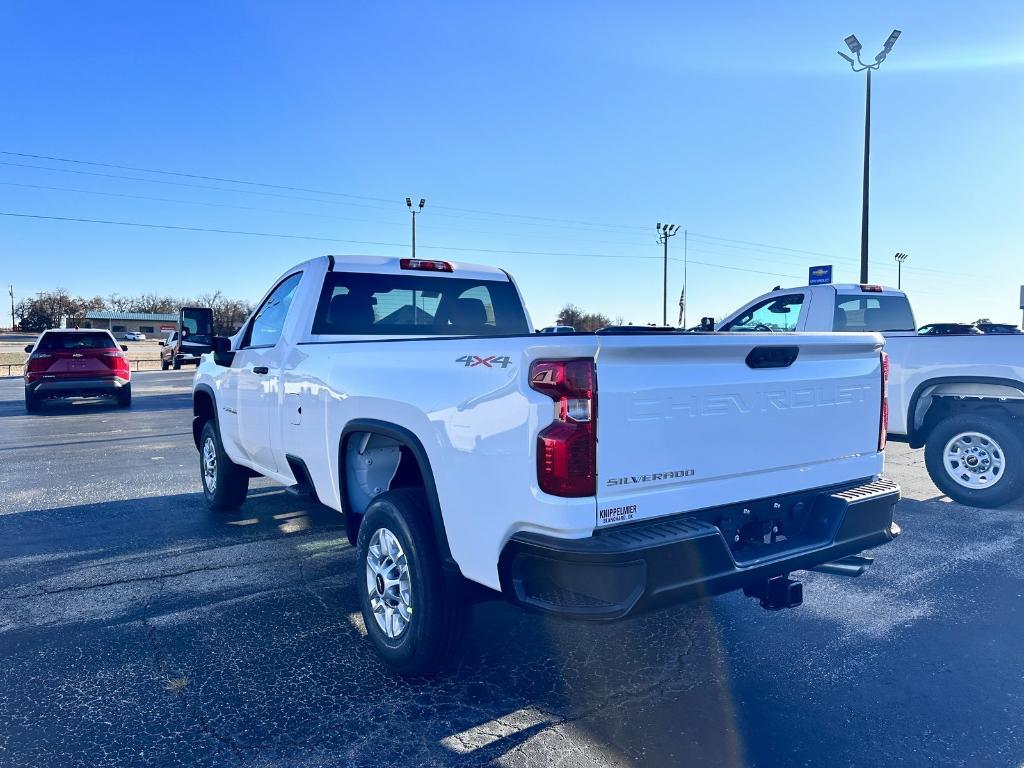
{"x": 584, "y": 475}
{"x": 961, "y": 397}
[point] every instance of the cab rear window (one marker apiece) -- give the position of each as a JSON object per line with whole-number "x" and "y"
{"x": 76, "y": 340}
{"x": 877, "y": 313}
{"x": 366, "y": 304}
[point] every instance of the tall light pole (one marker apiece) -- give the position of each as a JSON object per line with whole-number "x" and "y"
{"x": 900, "y": 258}
{"x": 859, "y": 66}
{"x": 413, "y": 211}
{"x": 665, "y": 231}
{"x": 10, "y": 290}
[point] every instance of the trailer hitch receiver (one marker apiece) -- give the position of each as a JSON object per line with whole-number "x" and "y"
{"x": 777, "y": 592}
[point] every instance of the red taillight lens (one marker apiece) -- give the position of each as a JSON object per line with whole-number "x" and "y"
{"x": 426, "y": 265}
{"x": 567, "y": 449}
{"x": 883, "y": 422}
{"x": 117, "y": 360}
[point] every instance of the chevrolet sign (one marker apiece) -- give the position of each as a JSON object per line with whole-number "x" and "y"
{"x": 820, "y": 275}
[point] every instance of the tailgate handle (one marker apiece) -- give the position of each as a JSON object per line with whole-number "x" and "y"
{"x": 772, "y": 357}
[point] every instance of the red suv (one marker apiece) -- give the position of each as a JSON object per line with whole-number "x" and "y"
{"x": 72, "y": 363}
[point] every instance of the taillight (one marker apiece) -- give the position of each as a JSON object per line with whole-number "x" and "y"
{"x": 118, "y": 361}
{"x": 883, "y": 421}
{"x": 567, "y": 448}
{"x": 426, "y": 265}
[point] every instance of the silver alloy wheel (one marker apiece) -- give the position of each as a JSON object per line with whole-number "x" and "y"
{"x": 974, "y": 460}
{"x": 388, "y": 583}
{"x": 210, "y": 464}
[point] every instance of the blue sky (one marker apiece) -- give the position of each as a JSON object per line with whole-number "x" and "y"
{"x": 736, "y": 121}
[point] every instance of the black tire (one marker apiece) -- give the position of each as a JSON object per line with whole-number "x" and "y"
{"x": 431, "y": 638}
{"x": 31, "y": 402}
{"x": 1010, "y": 483}
{"x": 231, "y": 482}
{"x": 124, "y": 396}
{"x": 163, "y": 364}
{"x": 177, "y": 364}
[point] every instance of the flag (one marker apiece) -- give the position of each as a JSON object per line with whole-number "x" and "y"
{"x": 682, "y": 305}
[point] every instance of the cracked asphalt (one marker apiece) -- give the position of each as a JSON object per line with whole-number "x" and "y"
{"x": 138, "y": 629}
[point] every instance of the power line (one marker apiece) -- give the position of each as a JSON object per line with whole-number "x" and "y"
{"x": 288, "y": 236}
{"x": 257, "y": 209}
{"x": 195, "y": 176}
{"x": 285, "y": 187}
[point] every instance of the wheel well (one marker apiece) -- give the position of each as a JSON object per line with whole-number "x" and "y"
{"x": 202, "y": 411}
{"x": 375, "y": 457}
{"x": 942, "y": 406}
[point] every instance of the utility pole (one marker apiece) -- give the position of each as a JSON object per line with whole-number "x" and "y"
{"x": 413, "y": 211}
{"x": 900, "y": 258}
{"x": 10, "y": 290}
{"x": 859, "y": 66}
{"x": 665, "y": 231}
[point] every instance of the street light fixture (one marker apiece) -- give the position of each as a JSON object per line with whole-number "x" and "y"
{"x": 665, "y": 231}
{"x": 413, "y": 211}
{"x": 900, "y": 258}
{"x": 859, "y": 66}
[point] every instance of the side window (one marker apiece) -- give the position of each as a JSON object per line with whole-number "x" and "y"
{"x": 778, "y": 314}
{"x": 268, "y": 322}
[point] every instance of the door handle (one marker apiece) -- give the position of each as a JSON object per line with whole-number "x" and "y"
{"x": 260, "y": 369}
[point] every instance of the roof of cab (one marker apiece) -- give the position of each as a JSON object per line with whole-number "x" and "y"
{"x": 393, "y": 265}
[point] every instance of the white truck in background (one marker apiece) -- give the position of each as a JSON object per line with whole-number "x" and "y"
{"x": 960, "y": 397}
{"x": 587, "y": 475}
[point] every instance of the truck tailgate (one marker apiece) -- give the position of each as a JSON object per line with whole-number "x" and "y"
{"x": 688, "y": 422}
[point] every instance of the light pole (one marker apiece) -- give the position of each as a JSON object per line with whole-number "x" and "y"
{"x": 900, "y": 258}
{"x": 10, "y": 290}
{"x": 665, "y": 231}
{"x": 859, "y": 66}
{"x": 413, "y": 211}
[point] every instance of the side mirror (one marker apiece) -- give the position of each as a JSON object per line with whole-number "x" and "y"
{"x": 28, "y": 347}
{"x": 707, "y": 324}
{"x": 124, "y": 347}
{"x": 162, "y": 343}
{"x": 222, "y": 353}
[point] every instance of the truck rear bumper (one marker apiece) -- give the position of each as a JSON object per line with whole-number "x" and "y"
{"x": 631, "y": 568}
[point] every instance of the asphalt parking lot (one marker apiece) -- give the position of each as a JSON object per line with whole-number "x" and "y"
{"x": 137, "y": 628}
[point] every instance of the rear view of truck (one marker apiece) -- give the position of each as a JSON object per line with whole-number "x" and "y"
{"x": 718, "y": 463}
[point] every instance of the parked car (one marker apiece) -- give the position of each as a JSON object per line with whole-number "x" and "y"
{"x": 1005, "y": 328}
{"x": 135, "y": 336}
{"x": 413, "y": 397}
{"x": 948, "y": 329}
{"x": 958, "y": 395}
{"x": 557, "y": 329}
{"x": 76, "y": 363}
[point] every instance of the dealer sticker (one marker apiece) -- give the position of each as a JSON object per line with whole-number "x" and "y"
{"x": 616, "y": 514}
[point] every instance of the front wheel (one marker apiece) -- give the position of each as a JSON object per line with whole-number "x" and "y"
{"x": 414, "y": 614}
{"x": 976, "y": 460}
{"x": 164, "y": 365}
{"x": 225, "y": 484}
{"x": 177, "y": 364}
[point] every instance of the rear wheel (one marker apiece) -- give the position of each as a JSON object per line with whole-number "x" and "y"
{"x": 414, "y": 615}
{"x": 124, "y": 396}
{"x": 31, "y": 402}
{"x": 225, "y": 484}
{"x": 976, "y": 460}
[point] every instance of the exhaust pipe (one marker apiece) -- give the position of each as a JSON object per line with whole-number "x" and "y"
{"x": 854, "y": 565}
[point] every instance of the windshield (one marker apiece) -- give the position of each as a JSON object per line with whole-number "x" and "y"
{"x": 394, "y": 305}
{"x": 874, "y": 313}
